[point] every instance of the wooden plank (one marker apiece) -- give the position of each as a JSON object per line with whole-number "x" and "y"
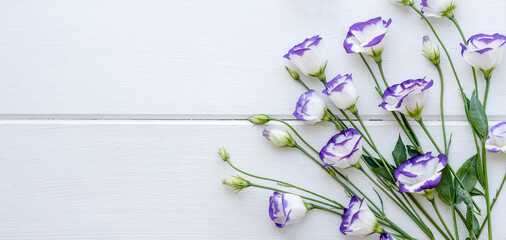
{"x": 161, "y": 179}
{"x": 207, "y": 59}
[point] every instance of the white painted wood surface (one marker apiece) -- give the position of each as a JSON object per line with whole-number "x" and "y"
{"x": 97, "y": 141}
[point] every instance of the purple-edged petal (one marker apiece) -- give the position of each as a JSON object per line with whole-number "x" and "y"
{"x": 484, "y": 51}
{"x": 407, "y": 97}
{"x": 367, "y": 37}
{"x": 343, "y": 150}
{"x": 420, "y": 173}
{"x": 309, "y": 56}
{"x": 286, "y": 208}
{"x": 496, "y": 140}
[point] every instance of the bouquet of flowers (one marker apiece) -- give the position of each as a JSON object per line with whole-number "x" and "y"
{"x": 412, "y": 170}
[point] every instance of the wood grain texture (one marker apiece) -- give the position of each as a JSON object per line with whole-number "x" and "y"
{"x": 207, "y": 59}
{"x": 160, "y": 180}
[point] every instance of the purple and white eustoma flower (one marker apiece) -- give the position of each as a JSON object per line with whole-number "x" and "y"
{"x": 309, "y": 56}
{"x": 407, "y": 97}
{"x": 496, "y": 140}
{"x": 438, "y": 8}
{"x": 484, "y": 51}
{"x": 420, "y": 173}
{"x": 367, "y": 37}
{"x": 310, "y": 108}
{"x": 386, "y": 236}
{"x": 358, "y": 219}
{"x": 285, "y": 209}
{"x": 342, "y": 92}
{"x": 343, "y": 150}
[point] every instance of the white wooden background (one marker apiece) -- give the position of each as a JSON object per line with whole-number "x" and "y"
{"x": 112, "y": 112}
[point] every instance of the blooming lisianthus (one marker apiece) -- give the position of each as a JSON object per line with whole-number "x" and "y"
{"x": 343, "y": 150}
{"x": 484, "y": 51}
{"x": 367, "y": 37}
{"x": 407, "y": 97}
{"x": 420, "y": 173}
{"x": 286, "y": 208}
{"x": 309, "y": 56}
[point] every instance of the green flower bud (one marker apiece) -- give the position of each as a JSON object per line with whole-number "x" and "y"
{"x": 431, "y": 51}
{"x": 280, "y": 138}
{"x": 293, "y": 73}
{"x": 236, "y": 183}
{"x": 403, "y": 2}
{"x": 259, "y": 119}
{"x": 224, "y": 154}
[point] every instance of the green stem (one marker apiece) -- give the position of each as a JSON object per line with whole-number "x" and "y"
{"x": 325, "y": 209}
{"x": 372, "y": 73}
{"x": 434, "y": 205}
{"x": 427, "y": 216}
{"x": 471, "y": 231}
{"x": 487, "y": 87}
{"x": 492, "y": 205}
{"x": 455, "y": 227}
{"x": 441, "y": 105}
{"x": 420, "y": 121}
{"x": 380, "y": 67}
{"x": 401, "y": 205}
{"x": 282, "y": 183}
{"x": 283, "y": 191}
{"x": 486, "y": 188}
{"x": 454, "y": 20}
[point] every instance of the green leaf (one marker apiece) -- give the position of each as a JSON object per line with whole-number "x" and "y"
{"x": 462, "y": 195}
{"x": 478, "y": 117}
{"x": 446, "y": 189}
{"x": 399, "y": 152}
{"x": 379, "y": 169}
{"x": 476, "y": 192}
{"x": 412, "y": 151}
{"x": 476, "y": 226}
{"x": 467, "y": 173}
{"x": 470, "y": 218}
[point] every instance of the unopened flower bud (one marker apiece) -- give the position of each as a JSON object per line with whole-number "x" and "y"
{"x": 280, "y": 138}
{"x": 259, "y": 119}
{"x": 224, "y": 154}
{"x": 237, "y": 183}
{"x": 430, "y": 50}
{"x": 403, "y": 2}
{"x": 293, "y": 73}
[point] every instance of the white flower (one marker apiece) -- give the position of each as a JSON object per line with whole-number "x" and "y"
{"x": 286, "y": 208}
{"x": 310, "y": 108}
{"x": 420, "y": 173}
{"x": 358, "y": 219}
{"x": 496, "y": 140}
{"x": 280, "y": 138}
{"x": 407, "y": 97}
{"x": 367, "y": 37}
{"x": 484, "y": 51}
{"x": 342, "y": 92}
{"x": 309, "y": 56}
{"x": 343, "y": 150}
{"x": 438, "y": 8}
